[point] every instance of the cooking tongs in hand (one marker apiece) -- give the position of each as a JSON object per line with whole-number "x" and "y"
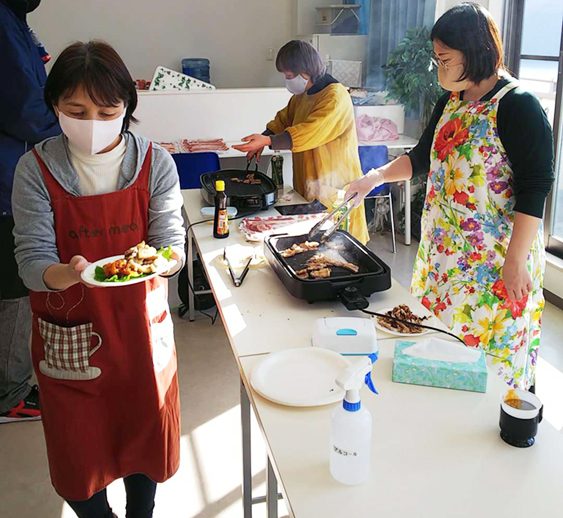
{"x": 237, "y": 281}
{"x": 328, "y": 225}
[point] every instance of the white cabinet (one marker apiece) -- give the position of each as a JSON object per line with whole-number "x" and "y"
{"x": 228, "y": 113}
{"x": 348, "y": 54}
{"x": 345, "y": 47}
{"x": 351, "y": 47}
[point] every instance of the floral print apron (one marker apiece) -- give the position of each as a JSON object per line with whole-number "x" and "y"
{"x": 467, "y": 224}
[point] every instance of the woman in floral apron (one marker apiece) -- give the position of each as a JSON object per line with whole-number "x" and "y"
{"x": 104, "y": 357}
{"x": 488, "y": 152}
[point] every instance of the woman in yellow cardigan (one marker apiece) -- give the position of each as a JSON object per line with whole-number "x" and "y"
{"x": 318, "y": 127}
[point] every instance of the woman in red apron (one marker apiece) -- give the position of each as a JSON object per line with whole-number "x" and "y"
{"x": 488, "y": 153}
{"x": 104, "y": 357}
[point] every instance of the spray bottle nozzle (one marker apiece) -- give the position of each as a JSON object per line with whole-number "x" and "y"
{"x": 367, "y": 380}
{"x": 352, "y": 379}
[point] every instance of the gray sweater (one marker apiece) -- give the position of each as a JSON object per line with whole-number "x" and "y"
{"x": 34, "y": 231}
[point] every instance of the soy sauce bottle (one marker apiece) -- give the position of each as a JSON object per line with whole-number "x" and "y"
{"x": 221, "y": 218}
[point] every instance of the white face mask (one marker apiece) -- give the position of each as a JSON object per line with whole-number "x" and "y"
{"x": 296, "y": 85}
{"x": 90, "y": 136}
{"x": 452, "y": 85}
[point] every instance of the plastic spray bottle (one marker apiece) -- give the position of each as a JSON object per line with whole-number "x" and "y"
{"x": 351, "y": 426}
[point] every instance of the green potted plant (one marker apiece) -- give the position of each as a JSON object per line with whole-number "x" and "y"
{"x": 413, "y": 81}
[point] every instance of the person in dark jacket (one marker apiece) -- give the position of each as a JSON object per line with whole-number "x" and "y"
{"x": 25, "y": 120}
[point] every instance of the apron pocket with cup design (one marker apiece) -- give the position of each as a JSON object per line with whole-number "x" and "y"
{"x": 68, "y": 350}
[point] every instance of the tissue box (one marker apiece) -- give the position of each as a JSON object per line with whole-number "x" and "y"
{"x": 437, "y": 373}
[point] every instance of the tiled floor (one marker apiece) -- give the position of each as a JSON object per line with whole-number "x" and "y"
{"x": 209, "y": 480}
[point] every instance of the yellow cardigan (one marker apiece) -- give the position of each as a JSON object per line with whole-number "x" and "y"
{"x": 324, "y": 146}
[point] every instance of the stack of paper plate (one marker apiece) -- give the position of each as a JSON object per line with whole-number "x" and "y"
{"x": 300, "y": 377}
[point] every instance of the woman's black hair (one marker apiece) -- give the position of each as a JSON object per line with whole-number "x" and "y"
{"x": 99, "y": 69}
{"x": 300, "y": 57}
{"x": 470, "y": 28}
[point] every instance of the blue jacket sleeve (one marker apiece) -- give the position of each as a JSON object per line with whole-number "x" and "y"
{"x": 24, "y": 114}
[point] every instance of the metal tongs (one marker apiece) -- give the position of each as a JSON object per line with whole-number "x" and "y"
{"x": 237, "y": 281}
{"x": 327, "y": 226}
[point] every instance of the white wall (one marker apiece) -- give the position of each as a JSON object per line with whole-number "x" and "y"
{"x": 234, "y": 34}
{"x": 306, "y": 15}
{"x": 553, "y": 280}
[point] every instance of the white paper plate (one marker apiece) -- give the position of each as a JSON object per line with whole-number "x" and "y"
{"x": 397, "y": 333}
{"x": 88, "y": 274}
{"x": 300, "y": 377}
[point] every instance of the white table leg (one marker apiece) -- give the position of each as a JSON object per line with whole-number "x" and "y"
{"x": 407, "y": 212}
{"x": 246, "y": 453}
{"x": 271, "y": 492}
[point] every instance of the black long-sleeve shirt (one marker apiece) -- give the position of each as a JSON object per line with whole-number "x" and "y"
{"x": 526, "y": 135}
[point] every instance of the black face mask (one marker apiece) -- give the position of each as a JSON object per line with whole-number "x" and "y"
{"x": 22, "y": 7}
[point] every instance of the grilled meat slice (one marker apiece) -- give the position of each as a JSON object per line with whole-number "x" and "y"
{"x": 299, "y": 248}
{"x": 146, "y": 253}
{"x": 321, "y": 261}
{"x": 142, "y": 251}
{"x": 319, "y": 266}
{"x": 142, "y": 268}
{"x": 321, "y": 273}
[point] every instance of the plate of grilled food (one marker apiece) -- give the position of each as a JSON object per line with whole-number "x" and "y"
{"x": 138, "y": 264}
{"x": 406, "y": 323}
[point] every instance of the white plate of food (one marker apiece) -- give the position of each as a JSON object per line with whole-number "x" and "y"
{"x": 300, "y": 377}
{"x": 137, "y": 264}
{"x": 403, "y": 312}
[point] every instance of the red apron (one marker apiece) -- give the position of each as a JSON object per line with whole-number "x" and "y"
{"x": 105, "y": 357}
